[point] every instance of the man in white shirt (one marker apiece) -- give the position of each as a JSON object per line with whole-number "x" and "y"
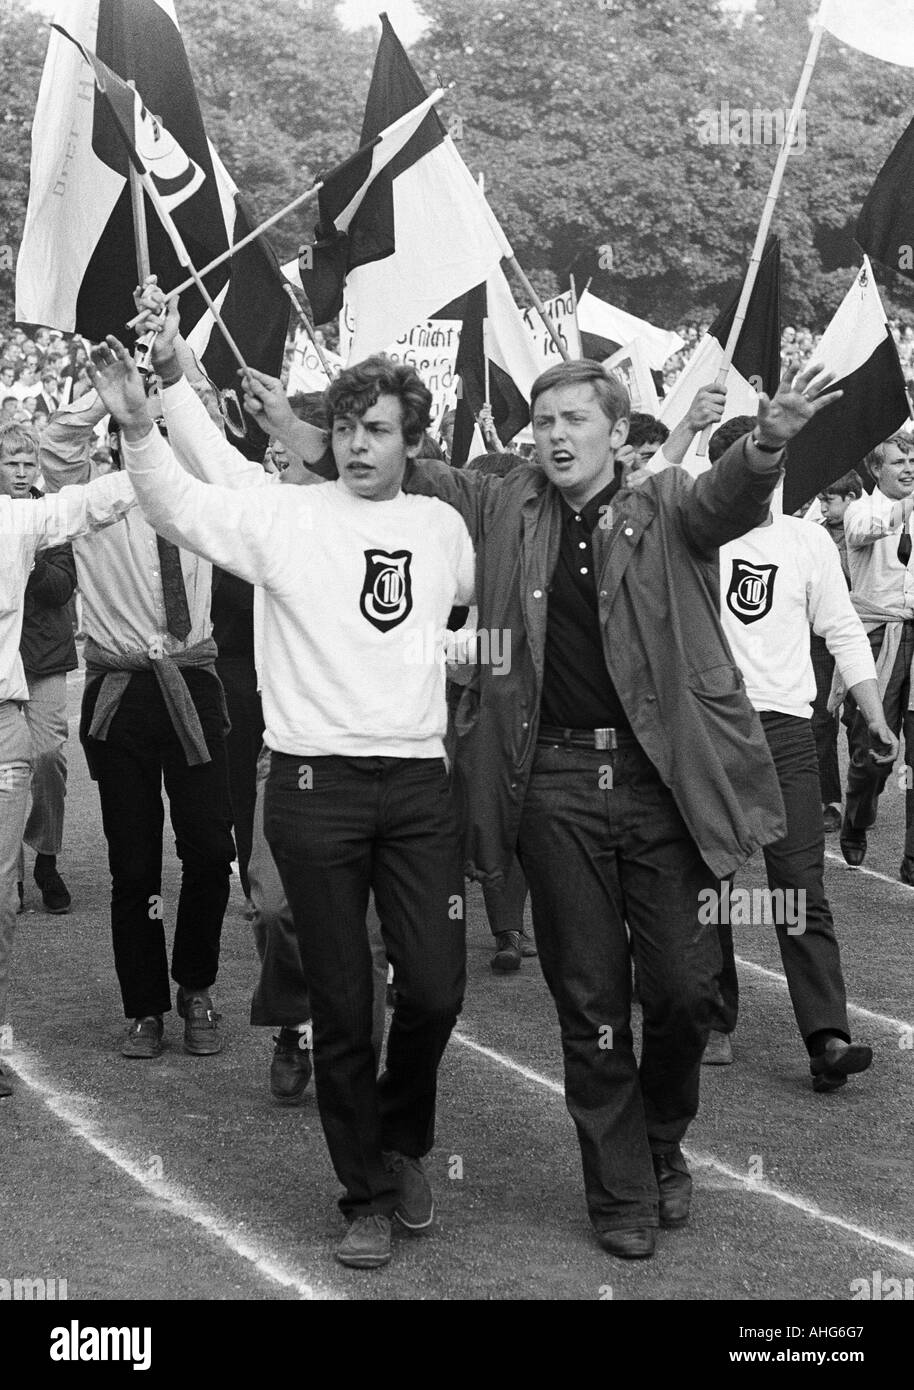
{"x": 358, "y": 796}
{"x": 775, "y": 582}
{"x": 878, "y": 532}
{"x": 26, "y": 526}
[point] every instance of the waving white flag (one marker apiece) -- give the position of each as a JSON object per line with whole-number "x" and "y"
{"x": 882, "y": 28}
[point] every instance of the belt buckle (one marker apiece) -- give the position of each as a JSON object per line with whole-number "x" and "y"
{"x": 604, "y": 739}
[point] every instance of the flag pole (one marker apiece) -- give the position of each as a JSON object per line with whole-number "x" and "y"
{"x": 297, "y": 308}
{"x": 141, "y": 241}
{"x": 298, "y": 202}
{"x": 239, "y": 245}
{"x": 540, "y": 308}
{"x": 574, "y": 311}
{"x": 767, "y": 215}
{"x": 183, "y": 256}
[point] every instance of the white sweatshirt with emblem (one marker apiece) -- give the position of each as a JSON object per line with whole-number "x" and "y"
{"x": 356, "y": 600}
{"x": 776, "y": 582}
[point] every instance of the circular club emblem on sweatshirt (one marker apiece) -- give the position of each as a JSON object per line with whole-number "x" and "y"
{"x": 387, "y": 593}
{"x": 751, "y": 590}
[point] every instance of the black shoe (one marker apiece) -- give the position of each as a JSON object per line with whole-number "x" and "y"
{"x": 839, "y": 1060}
{"x": 507, "y": 955}
{"x": 629, "y": 1245}
{"x": 674, "y": 1185}
{"x": 853, "y": 844}
{"x": 831, "y": 818}
{"x": 291, "y": 1068}
{"x": 5, "y": 1087}
{"x": 144, "y": 1037}
{"x": 202, "y": 1031}
{"x": 906, "y": 872}
{"x": 527, "y": 946}
{"x": 53, "y": 889}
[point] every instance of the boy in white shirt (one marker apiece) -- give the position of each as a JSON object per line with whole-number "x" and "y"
{"x": 877, "y": 528}
{"x": 358, "y": 796}
{"x": 775, "y": 582}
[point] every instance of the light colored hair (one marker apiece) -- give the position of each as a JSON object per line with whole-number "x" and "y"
{"x": 15, "y": 437}
{"x": 614, "y": 399}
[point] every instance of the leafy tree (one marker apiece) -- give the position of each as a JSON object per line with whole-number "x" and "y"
{"x": 584, "y": 115}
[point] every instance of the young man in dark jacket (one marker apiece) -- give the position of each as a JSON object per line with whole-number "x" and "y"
{"x": 619, "y": 753}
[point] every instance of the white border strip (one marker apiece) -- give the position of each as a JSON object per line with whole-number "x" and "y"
{"x": 67, "y": 1109}
{"x": 707, "y": 1161}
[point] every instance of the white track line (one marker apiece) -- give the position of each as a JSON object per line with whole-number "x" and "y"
{"x": 868, "y": 873}
{"x": 703, "y": 1160}
{"x": 897, "y": 1025}
{"x": 67, "y": 1109}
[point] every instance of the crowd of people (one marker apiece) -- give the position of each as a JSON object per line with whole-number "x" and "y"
{"x": 356, "y": 690}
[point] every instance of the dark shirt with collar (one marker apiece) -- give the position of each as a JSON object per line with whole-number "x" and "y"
{"x": 577, "y": 690}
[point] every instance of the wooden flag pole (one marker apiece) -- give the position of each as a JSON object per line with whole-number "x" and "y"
{"x": 765, "y": 224}
{"x": 141, "y": 242}
{"x": 297, "y": 308}
{"x": 182, "y": 254}
{"x": 540, "y": 308}
{"x": 298, "y": 202}
{"x": 574, "y": 310}
{"x": 240, "y": 245}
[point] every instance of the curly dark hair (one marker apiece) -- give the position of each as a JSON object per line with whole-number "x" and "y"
{"x": 646, "y": 429}
{"x": 728, "y": 433}
{"x": 357, "y": 389}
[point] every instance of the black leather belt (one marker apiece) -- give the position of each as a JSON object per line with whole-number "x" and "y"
{"x": 602, "y": 739}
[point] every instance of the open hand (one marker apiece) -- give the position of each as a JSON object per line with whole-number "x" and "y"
{"x": 114, "y": 375}
{"x": 800, "y": 396}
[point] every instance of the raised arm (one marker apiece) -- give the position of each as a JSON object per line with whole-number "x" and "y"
{"x": 66, "y": 442}
{"x": 235, "y": 529}
{"x": 200, "y": 444}
{"x": 735, "y": 495}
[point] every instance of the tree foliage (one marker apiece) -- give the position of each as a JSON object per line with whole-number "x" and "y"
{"x": 584, "y": 115}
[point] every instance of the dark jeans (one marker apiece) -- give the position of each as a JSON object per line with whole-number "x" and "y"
{"x": 595, "y": 859}
{"x": 338, "y": 828}
{"x": 866, "y": 778}
{"x": 825, "y": 725}
{"x": 812, "y": 960}
{"x": 142, "y": 750}
{"x": 245, "y": 737}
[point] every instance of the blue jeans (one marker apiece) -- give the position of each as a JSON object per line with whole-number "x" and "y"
{"x": 339, "y": 828}
{"x": 602, "y": 844}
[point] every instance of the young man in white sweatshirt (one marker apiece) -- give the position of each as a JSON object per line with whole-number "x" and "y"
{"x": 358, "y": 796}
{"x": 775, "y": 582}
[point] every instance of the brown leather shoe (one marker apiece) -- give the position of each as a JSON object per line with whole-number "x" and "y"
{"x": 674, "y": 1185}
{"x": 366, "y": 1245}
{"x": 202, "y": 1031}
{"x": 832, "y": 1067}
{"x": 291, "y": 1068}
{"x": 144, "y": 1037}
{"x": 507, "y": 955}
{"x": 629, "y": 1245}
